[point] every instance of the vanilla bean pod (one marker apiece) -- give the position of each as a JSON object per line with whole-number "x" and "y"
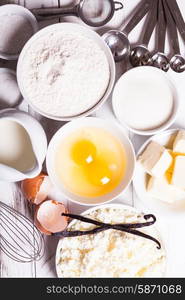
{"x": 127, "y": 227}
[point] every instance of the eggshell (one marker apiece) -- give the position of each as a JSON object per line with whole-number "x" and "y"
{"x": 49, "y": 216}
{"x": 37, "y": 189}
{"x": 39, "y": 226}
{"x": 45, "y": 188}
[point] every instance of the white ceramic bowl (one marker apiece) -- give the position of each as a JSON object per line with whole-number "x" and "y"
{"x": 154, "y": 229}
{"x": 148, "y": 72}
{"x": 12, "y": 93}
{"x": 76, "y": 28}
{"x": 117, "y": 131}
{"x": 13, "y": 9}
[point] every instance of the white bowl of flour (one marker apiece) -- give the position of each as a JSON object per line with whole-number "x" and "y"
{"x": 65, "y": 71}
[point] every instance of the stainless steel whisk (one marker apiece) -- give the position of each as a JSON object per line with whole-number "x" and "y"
{"x": 20, "y": 240}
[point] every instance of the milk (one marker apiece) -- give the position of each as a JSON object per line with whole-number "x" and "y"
{"x": 146, "y": 104}
{"x": 144, "y": 99}
{"x": 15, "y": 146}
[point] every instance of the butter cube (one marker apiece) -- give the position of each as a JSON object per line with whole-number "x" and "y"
{"x": 159, "y": 188}
{"x": 155, "y": 159}
{"x": 179, "y": 143}
{"x": 178, "y": 176}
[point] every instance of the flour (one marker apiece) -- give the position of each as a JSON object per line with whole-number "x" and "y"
{"x": 64, "y": 74}
{"x": 15, "y": 31}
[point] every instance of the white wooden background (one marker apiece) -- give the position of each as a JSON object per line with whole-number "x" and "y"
{"x": 11, "y": 194}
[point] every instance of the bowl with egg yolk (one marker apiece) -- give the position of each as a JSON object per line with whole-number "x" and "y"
{"x": 91, "y": 161}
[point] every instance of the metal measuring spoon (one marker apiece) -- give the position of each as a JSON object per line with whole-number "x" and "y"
{"x": 176, "y": 13}
{"x": 117, "y": 40}
{"x": 177, "y": 62}
{"x": 140, "y": 55}
{"x": 159, "y": 59}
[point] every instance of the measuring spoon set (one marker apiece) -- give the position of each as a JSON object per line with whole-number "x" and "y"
{"x": 166, "y": 17}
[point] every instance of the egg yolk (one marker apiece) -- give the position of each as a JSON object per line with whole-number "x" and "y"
{"x": 83, "y": 152}
{"x": 91, "y": 163}
{"x": 99, "y": 173}
{"x": 97, "y": 169}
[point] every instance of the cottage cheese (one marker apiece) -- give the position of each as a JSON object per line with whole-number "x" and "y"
{"x": 64, "y": 73}
{"x": 110, "y": 253}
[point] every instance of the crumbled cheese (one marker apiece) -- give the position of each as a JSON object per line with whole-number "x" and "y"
{"x": 110, "y": 253}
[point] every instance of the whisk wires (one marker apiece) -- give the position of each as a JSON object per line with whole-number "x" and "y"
{"x": 20, "y": 240}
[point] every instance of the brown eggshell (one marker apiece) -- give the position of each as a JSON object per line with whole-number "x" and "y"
{"x": 32, "y": 188}
{"x": 49, "y": 217}
{"x": 38, "y": 225}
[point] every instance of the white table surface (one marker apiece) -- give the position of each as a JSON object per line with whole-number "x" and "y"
{"x": 172, "y": 230}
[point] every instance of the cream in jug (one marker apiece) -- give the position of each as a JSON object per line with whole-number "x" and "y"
{"x": 15, "y": 146}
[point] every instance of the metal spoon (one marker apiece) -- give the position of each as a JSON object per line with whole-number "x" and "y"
{"x": 176, "y": 13}
{"x": 177, "y": 62}
{"x": 140, "y": 55}
{"x": 159, "y": 59}
{"x": 117, "y": 40}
